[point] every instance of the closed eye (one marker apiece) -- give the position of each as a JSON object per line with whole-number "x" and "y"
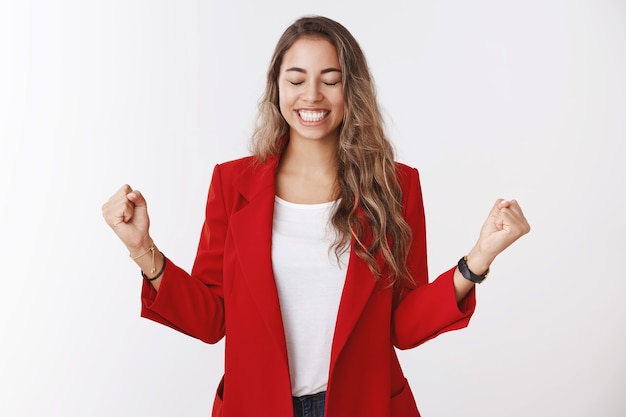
{"x": 332, "y": 84}
{"x": 295, "y": 83}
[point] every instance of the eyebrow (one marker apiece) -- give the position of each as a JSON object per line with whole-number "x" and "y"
{"x": 302, "y": 70}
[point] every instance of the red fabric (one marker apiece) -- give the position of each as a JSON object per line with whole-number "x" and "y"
{"x": 231, "y": 292}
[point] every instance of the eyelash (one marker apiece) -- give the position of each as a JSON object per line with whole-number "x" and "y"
{"x": 328, "y": 84}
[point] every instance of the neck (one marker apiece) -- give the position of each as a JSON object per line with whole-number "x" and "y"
{"x": 307, "y": 172}
{"x": 310, "y": 157}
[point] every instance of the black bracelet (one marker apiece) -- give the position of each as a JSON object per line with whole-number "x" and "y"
{"x": 469, "y": 275}
{"x": 160, "y": 272}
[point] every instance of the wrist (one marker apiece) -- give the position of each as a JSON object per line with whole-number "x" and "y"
{"x": 140, "y": 247}
{"x": 478, "y": 262}
{"x": 468, "y": 274}
{"x": 153, "y": 275}
{"x": 147, "y": 260}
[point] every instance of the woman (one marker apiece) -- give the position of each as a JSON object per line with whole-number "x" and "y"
{"x": 312, "y": 257}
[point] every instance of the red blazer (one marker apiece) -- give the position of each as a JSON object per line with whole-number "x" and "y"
{"x": 231, "y": 292}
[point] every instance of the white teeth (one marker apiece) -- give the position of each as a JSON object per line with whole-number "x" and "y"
{"x": 312, "y": 116}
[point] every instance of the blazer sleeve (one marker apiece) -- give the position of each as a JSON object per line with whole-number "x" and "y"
{"x": 426, "y": 309}
{"x": 194, "y": 303}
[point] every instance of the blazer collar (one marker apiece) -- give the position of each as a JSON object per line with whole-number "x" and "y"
{"x": 258, "y": 178}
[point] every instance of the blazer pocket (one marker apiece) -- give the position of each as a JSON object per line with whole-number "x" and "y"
{"x": 403, "y": 403}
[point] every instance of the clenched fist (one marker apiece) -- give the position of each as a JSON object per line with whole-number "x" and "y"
{"x": 504, "y": 225}
{"x": 126, "y": 213}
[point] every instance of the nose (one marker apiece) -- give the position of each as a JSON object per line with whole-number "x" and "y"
{"x": 312, "y": 92}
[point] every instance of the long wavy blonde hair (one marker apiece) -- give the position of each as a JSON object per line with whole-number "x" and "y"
{"x": 370, "y": 196}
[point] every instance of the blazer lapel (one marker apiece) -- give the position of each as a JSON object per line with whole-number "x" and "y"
{"x": 251, "y": 227}
{"x": 356, "y": 291}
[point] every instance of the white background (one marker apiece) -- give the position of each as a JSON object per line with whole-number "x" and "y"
{"x": 488, "y": 99}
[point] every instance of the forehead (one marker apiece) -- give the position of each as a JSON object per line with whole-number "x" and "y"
{"x": 311, "y": 53}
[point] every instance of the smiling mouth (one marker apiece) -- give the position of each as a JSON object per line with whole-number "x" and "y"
{"x": 312, "y": 116}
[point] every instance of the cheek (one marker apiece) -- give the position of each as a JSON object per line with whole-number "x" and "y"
{"x": 338, "y": 98}
{"x": 281, "y": 104}
{"x": 340, "y": 103}
{"x": 285, "y": 100}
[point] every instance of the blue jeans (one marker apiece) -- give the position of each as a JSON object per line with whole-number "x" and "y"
{"x": 309, "y": 405}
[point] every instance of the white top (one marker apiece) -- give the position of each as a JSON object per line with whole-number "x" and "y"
{"x": 310, "y": 283}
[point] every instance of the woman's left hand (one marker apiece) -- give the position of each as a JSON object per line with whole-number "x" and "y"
{"x": 504, "y": 225}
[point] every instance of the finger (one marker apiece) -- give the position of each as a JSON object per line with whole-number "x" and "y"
{"x": 119, "y": 195}
{"x": 137, "y": 198}
{"x": 512, "y": 222}
{"x": 520, "y": 217}
{"x": 516, "y": 210}
{"x": 515, "y": 207}
{"x": 118, "y": 209}
{"x": 124, "y": 189}
{"x": 505, "y": 220}
{"x": 497, "y": 206}
{"x": 118, "y": 214}
{"x": 124, "y": 213}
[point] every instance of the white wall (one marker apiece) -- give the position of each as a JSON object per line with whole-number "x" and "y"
{"x": 488, "y": 99}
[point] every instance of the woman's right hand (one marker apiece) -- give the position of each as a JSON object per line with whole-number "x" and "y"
{"x": 126, "y": 213}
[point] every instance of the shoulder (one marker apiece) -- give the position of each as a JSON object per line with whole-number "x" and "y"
{"x": 237, "y": 164}
{"x": 407, "y": 175}
{"x": 247, "y": 175}
{"x": 404, "y": 168}
{"x": 246, "y": 166}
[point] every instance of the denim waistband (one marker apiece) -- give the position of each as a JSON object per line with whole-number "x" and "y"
{"x": 309, "y": 405}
